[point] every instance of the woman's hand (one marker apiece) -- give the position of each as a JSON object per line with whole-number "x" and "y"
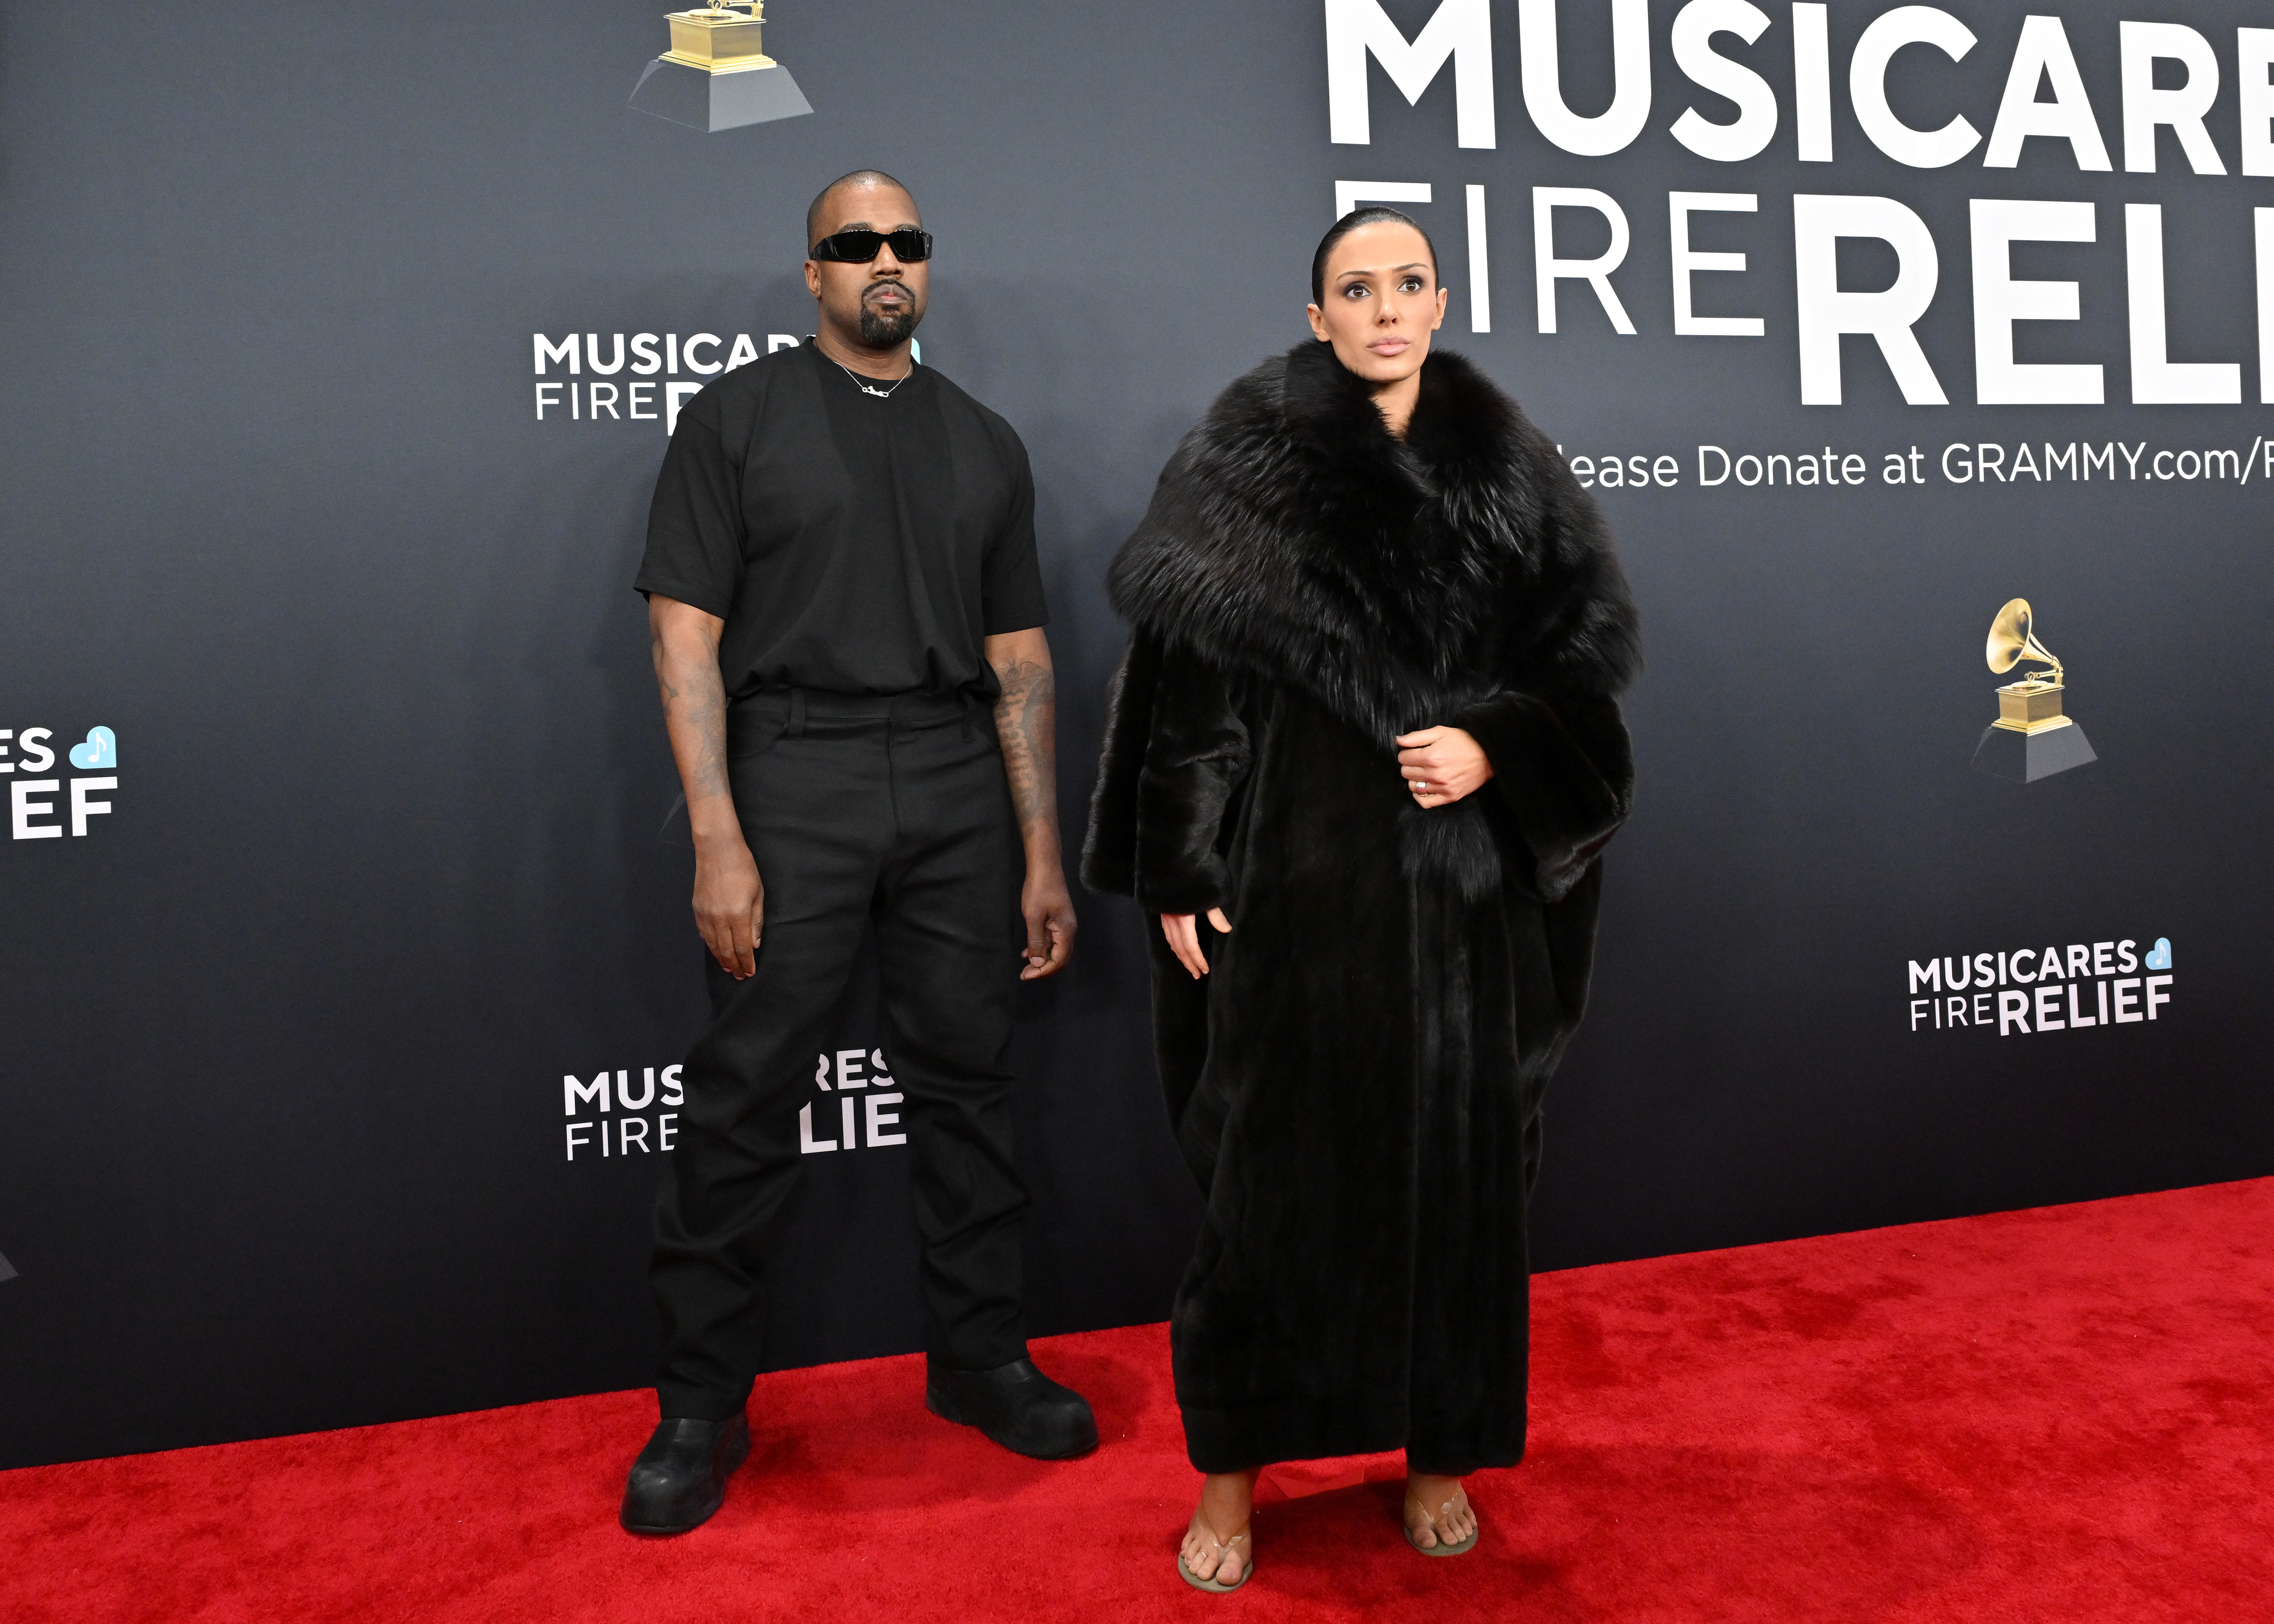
{"x": 1185, "y": 938}
{"x": 1443, "y": 764}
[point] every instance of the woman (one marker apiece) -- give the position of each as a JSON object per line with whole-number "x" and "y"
{"x": 1367, "y": 728}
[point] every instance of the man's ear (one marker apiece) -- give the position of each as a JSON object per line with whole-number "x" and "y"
{"x": 813, "y": 279}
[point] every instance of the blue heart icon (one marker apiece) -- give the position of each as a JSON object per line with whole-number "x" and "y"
{"x": 2159, "y": 957}
{"x": 100, "y": 750}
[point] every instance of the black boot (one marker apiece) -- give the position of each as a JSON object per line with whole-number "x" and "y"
{"x": 680, "y": 1478}
{"x": 1015, "y": 1404}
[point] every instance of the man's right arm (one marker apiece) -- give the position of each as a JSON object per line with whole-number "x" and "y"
{"x": 730, "y": 899}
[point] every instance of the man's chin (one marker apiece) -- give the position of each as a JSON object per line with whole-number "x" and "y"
{"x": 881, "y": 330}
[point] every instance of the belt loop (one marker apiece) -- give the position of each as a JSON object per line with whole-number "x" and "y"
{"x": 794, "y": 728}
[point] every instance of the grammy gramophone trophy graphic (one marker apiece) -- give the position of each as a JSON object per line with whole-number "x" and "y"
{"x": 715, "y": 76}
{"x": 2033, "y": 737}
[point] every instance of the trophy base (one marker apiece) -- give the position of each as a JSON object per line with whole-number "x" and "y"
{"x": 2008, "y": 753}
{"x": 710, "y": 102}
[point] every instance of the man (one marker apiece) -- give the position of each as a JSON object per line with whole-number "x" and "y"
{"x": 846, "y": 618}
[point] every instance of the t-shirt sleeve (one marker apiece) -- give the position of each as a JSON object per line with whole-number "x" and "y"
{"x": 695, "y": 523}
{"x": 1011, "y": 584}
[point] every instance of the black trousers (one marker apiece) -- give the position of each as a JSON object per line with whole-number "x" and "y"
{"x": 893, "y": 809}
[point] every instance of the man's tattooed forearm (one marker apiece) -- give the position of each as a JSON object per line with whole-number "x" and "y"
{"x": 695, "y": 701}
{"x": 1026, "y": 720}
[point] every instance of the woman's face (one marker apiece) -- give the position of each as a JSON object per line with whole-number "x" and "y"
{"x": 1382, "y": 302}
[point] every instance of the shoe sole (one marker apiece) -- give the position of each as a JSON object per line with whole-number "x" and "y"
{"x": 947, "y": 1412}
{"x": 657, "y": 1530}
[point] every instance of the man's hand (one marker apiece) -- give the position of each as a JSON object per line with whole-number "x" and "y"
{"x": 1026, "y": 722}
{"x": 1049, "y": 908}
{"x": 1443, "y": 764}
{"x": 1183, "y": 937}
{"x": 730, "y": 903}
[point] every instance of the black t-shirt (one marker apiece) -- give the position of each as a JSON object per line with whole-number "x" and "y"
{"x": 851, "y": 544}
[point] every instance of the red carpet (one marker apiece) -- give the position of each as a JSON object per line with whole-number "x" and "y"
{"x": 2053, "y": 1416}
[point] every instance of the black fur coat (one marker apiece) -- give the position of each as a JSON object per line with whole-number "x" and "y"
{"x": 1357, "y": 1084}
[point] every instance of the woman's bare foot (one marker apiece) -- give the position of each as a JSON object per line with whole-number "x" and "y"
{"x": 1216, "y": 1543}
{"x": 1437, "y": 1511}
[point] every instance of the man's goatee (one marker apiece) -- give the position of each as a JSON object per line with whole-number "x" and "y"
{"x": 881, "y": 330}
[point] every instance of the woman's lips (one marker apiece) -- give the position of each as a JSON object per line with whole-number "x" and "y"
{"x": 1390, "y": 346}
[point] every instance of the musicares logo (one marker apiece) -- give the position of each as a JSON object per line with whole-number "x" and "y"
{"x": 638, "y": 381}
{"x": 612, "y": 1100}
{"x": 650, "y": 389}
{"x": 2029, "y": 990}
{"x": 853, "y": 1069}
{"x": 611, "y": 1117}
{"x": 40, "y": 807}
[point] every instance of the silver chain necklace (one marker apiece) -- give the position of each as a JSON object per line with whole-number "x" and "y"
{"x": 867, "y": 388}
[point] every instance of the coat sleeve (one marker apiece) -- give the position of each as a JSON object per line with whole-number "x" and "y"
{"x": 1176, "y": 754}
{"x": 1196, "y": 764}
{"x": 1565, "y": 770}
{"x": 1109, "y": 849}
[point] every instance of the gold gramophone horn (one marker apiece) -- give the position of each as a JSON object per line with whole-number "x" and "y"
{"x": 2012, "y": 641}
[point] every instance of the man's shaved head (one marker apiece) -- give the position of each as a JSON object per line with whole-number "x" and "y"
{"x": 815, "y": 226}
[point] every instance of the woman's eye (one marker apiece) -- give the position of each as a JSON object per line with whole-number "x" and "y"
{"x": 1412, "y": 284}
{"x": 1356, "y": 290}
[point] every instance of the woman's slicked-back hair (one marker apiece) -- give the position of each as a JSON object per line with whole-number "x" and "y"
{"x": 1373, "y": 214}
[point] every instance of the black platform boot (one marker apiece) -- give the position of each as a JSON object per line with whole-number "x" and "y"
{"x": 680, "y": 1478}
{"x": 1015, "y": 1404}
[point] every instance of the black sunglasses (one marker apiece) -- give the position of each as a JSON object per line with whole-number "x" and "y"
{"x": 910, "y": 246}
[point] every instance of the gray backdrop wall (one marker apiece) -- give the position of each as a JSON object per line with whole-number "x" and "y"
{"x": 295, "y": 964}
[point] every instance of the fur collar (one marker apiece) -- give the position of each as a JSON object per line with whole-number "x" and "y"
{"x": 1397, "y": 583}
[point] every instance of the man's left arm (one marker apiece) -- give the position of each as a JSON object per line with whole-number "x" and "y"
{"x": 1026, "y": 720}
